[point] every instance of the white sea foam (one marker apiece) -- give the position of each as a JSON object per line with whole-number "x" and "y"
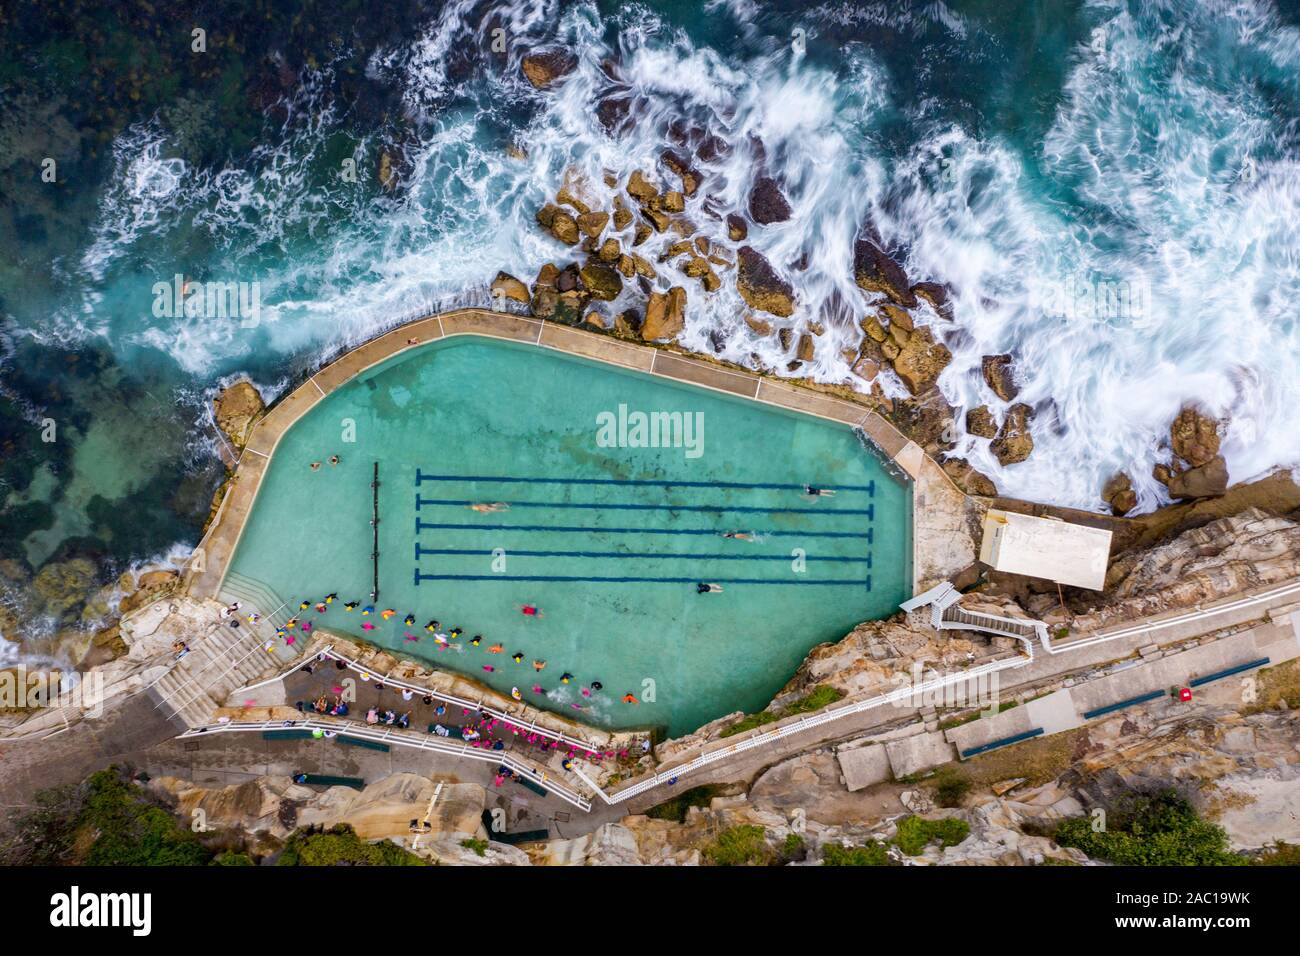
{"x": 1179, "y": 176}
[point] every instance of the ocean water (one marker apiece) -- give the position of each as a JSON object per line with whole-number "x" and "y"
{"x": 1110, "y": 189}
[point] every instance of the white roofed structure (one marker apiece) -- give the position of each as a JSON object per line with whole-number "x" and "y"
{"x": 1072, "y": 554}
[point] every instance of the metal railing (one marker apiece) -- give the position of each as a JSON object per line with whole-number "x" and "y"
{"x": 404, "y": 738}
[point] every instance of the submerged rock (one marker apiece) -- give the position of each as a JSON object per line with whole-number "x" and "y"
{"x": 680, "y": 165}
{"x": 1014, "y": 443}
{"x": 760, "y": 286}
{"x": 937, "y": 295}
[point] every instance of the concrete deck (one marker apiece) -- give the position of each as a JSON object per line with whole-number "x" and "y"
{"x": 941, "y": 540}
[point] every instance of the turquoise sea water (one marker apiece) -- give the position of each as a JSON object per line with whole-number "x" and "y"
{"x": 1025, "y": 152}
{"x": 608, "y": 542}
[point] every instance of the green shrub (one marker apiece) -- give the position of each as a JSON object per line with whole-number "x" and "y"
{"x": 1280, "y": 854}
{"x": 340, "y": 846}
{"x": 744, "y": 845}
{"x": 815, "y": 699}
{"x": 873, "y": 854}
{"x": 478, "y": 846}
{"x": 1158, "y": 830}
{"x": 232, "y": 859}
{"x": 951, "y": 788}
{"x": 676, "y": 808}
{"x": 128, "y": 830}
{"x": 916, "y": 833}
{"x": 792, "y": 848}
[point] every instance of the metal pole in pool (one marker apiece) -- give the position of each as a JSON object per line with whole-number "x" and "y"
{"x": 374, "y": 524}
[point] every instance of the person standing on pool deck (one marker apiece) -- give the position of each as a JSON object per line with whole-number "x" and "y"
{"x": 703, "y": 588}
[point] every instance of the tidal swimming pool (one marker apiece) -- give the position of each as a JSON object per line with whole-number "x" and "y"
{"x": 610, "y": 495}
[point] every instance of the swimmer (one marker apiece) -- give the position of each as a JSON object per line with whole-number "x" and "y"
{"x": 409, "y": 620}
{"x": 739, "y": 535}
{"x": 351, "y": 606}
{"x": 596, "y": 685}
{"x": 367, "y": 626}
{"x": 321, "y": 608}
{"x": 537, "y": 689}
{"x": 565, "y": 677}
{"x": 489, "y": 668}
{"x": 455, "y": 632}
{"x": 315, "y": 466}
{"x": 291, "y": 623}
{"x": 539, "y": 666}
{"x": 496, "y": 648}
{"x": 334, "y": 459}
{"x": 329, "y": 598}
{"x": 489, "y": 508}
{"x": 517, "y": 657}
{"x": 514, "y": 692}
{"x": 703, "y": 588}
{"x": 432, "y": 626}
{"x": 531, "y": 610}
{"x": 476, "y": 640}
{"x": 439, "y": 640}
{"x": 367, "y": 610}
{"x": 304, "y": 605}
{"x": 812, "y": 491}
{"x": 630, "y": 698}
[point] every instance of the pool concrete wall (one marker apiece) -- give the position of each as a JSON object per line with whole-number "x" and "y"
{"x": 942, "y": 538}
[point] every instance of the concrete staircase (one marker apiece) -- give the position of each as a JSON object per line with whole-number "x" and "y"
{"x": 220, "y": 662}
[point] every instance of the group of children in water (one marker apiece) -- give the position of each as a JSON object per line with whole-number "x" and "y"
{"x": 443, "y": 641}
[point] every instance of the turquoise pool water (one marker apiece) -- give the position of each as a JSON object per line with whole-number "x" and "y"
{"x": 607, "y": 535}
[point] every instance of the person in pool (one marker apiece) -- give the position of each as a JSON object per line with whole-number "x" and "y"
{"x": 517, "y": 657}
{"x": 409, "y": 620}
{"x": 386, "y": 613}
{"x": 302, "y": 606}
{"x": 739, "y": 535}
{"x": 489, "y": 507}
{"x": 539, "y": 666}
{"x": 432, "y": 626}
{"x": 368, "y": 610}
{"x": 531, "y": 610}
{"x": 596, "y": 685}
{"x": 351, "y": 606}
{"x": 476, "y": 640}
{"x": 703, "y": 588}
{"x": 329, "y": 598}
{"x": 812, "y": 491}
{"x": 565, "y": 677}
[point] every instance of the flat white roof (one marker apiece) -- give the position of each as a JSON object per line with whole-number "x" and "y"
{"x": 1067, "y": 553}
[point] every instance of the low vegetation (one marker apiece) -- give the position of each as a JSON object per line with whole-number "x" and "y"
{"x": 676, "y": 808}
{"x": 916, "y": 833}
{"x": 874, "y": 853}
{"x": 340, "y": 846}
{"x": 478, "y": 846}
{"x": 815, "y": 699}
{"x": 744, "y": 845}
{"x": 1162, "y": 829}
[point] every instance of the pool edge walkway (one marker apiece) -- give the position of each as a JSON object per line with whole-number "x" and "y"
{"x": 941, "y": 543}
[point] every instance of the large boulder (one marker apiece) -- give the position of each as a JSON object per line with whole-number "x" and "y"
{"x": 665, "y": 315}
{"x": 767, "y": 204}
{"x": 506, "y": 286}
{"x": 1014, "y": 442}
{"x": 968, "y": 479}
{"x": 998, "y": 374}
{"x": 920, "y": 360}
{"x": 1204, "y": 481}
{"x": 680, "y": 165}
{"x": 981, "y": 423}
{"x": 1194, "y": 436}
{"x": 937, "y": 295}
{"x": 1119, "y": 494}
{"x": 237, "y": 408}
{"x": 876, "y": 271}
{"x": 760, "y": 286}
{"x": 545, "y": 67}
{"x": 601, "y": 281}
